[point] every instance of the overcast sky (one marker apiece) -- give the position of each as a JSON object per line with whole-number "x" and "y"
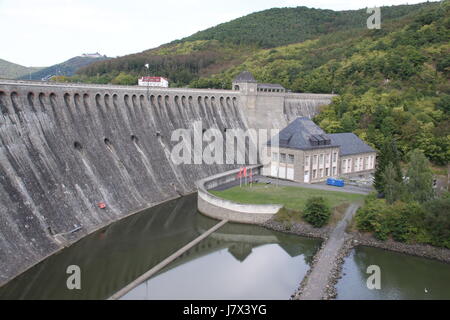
{"x": 46, "y": 32}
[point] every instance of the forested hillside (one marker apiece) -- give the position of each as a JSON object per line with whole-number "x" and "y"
{"x": 9, "y": 70}
{"x": 281, "y": 26}
{"x": 66, "y": 68}
{"x": 392, "y": 82}
{"x": 217, "y": 49}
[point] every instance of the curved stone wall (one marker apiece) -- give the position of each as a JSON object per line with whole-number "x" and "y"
{"x": 220, "y": 209}
{"x": 66, "y": 148}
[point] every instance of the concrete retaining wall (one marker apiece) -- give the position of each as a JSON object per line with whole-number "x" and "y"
{"x": 220, "y": 209}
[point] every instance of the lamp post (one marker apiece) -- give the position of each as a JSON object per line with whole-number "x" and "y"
{"x": 148, "y": 82}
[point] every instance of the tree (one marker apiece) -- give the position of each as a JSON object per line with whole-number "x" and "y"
{"x": 388, "y": 154}
{"x": 437, "y": 219}
{"x": 419, "y": 182}
{"x": 317, "y": 212}
{"x": 393, "y": 189}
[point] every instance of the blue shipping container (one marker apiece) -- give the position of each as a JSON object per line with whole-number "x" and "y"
{"x": 335, "y": 182}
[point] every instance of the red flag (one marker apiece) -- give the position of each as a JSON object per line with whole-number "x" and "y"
{"x": 239, "y": 175}
{"x": 245, "y": 171}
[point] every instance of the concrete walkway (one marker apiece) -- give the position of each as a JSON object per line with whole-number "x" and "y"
{"x": 165, "y": 262}
{"x": 317, "y": 281}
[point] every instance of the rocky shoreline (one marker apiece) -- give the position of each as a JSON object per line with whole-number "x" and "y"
{"x": 352, "y": 240}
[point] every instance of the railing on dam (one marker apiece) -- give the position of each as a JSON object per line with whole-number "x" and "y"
{"x": 219, "y": 208}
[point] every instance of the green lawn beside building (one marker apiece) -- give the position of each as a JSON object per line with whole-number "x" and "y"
{"x": 292, "y": 198}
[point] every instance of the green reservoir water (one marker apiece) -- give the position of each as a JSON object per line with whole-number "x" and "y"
{"x": 235, "y": 262}
{"x": 403, "y": 277}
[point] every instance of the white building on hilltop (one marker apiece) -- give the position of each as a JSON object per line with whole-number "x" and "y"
{"x": 154, "y": 82}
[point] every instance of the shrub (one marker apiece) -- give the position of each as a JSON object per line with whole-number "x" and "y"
{"x": 317, "y": 212}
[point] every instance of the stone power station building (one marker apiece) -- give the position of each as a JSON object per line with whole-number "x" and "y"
{"x": 306, "y": 154}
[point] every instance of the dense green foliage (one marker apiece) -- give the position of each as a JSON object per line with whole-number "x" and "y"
{"x": 222, "y": 47}
{"x": 182, "y": 63}
{"x": 281, "y": 26}
{"x": 419, "y": 178}
{"x": 410, "y": 211}
{"x": 316, "y": 212}
{"x": 410, "y": 222}
{"x": 388, "y": 156}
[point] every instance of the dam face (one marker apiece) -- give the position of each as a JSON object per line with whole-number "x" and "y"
{"x": 65, "y": 148}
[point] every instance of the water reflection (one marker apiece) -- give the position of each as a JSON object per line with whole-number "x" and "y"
{"x": 236, "y": 262}
{"x": 113, "y": 257}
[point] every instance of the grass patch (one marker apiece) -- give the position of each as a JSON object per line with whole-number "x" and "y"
{"x": 292, "y": 198}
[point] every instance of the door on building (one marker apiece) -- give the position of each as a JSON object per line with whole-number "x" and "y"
{"x": 282, "y": 173}
{"x": 306, "y": 179}
{"x": 274, "y": 170}
{"x": 290, "y": 173}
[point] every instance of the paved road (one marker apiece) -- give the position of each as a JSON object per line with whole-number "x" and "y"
{"x": 318, "y": 278}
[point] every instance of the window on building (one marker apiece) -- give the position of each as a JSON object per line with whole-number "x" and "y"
{"x": 314, "y": 174}
{"x": 321, "y": 173}
{"x": 366, "y": 163}
{"x": 283, "y": 157}
{"x": 315, "y": 160}
{"x": 327, "y": 172}
{"x": 334, "y": 171}
{"x": 328, "y": 159}
{"x": 344, "y": 166}
{"x": 321, "y": 159}
{"x": 274, "y": 156}
{"x": 307, "y": 161}
{"x": 290, "y": 159}
{"x": 334, "y": 157}
{"x": 349, "y": 166}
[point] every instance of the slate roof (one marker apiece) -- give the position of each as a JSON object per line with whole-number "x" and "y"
{"x": 270, "y": 86}
{"x": 297, "y": 134}
{"x": 244, "y": 76}
{"x": 350, "y": 143}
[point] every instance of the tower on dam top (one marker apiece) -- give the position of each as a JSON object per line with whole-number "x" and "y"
{"x": 270, "y": 105}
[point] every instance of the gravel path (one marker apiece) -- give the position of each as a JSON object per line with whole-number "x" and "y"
{"x": 316, "y": 284}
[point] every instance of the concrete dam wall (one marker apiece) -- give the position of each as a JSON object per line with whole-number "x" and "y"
{"x": 65, "y": 148}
